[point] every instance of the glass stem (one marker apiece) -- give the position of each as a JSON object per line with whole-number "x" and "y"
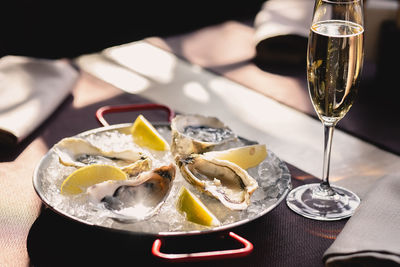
{"x": 328, "y": 135}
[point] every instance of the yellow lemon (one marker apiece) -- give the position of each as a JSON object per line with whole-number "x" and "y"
{"x": 194, "y": 209}
{"x": 245, "y": 156}
{"x": 78, "y": 181}
{"x": 144, "y": 134}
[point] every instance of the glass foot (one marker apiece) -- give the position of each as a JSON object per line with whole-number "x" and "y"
{"x": 330, "y": 204}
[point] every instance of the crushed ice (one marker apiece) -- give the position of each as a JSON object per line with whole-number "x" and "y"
{"x": 272, "y": 175}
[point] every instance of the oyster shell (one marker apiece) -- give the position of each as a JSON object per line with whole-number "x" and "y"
{"x": 222, "y": 179}
{"x": 78, "y": 152}
{"x": 135, "y": 199}
{"x": 198, "y": 134}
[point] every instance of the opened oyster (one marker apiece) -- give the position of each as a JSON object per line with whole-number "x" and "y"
{"x": 78, "y": 152}
{"x": 135, "y": 199}
{"x": 221, "y": 179}
{"x": 198, "y": 134}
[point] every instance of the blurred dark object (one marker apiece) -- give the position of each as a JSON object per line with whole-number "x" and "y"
{"x": 55, "y": 29}
{"x": 388, "y": 50}
{"x": 282, "y": 28}
{"x": 282, "y": 50}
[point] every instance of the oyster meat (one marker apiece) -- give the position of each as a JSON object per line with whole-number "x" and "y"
{"x": 135, "y": 199}
{"x": 197, "y": 134}
{"x": 78, "y": 152}
{"x": 222, "y": 179}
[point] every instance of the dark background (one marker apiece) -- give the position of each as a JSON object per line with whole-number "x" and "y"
{"x": 56, "y": 29}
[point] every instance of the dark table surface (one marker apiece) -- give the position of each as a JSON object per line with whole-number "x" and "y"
{"x": 38, "y": 236}
{"x": 280, "y": 238}
{"x": 33, "y": 235}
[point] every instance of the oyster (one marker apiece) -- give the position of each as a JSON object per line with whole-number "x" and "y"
{"x": 135, "y": 199}
{"x": 222, "y": 179}
{"x": 198, "y": 134}
{"x": 78, "y": 152}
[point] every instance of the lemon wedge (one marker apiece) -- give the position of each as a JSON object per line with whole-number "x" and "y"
{"x": 194, "y": 210}
{"x": 144, "y": 134}
{"x": 245, "y": 157}
{"x": 78, "y": 181}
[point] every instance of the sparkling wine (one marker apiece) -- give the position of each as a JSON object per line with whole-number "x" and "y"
{"x": 334, "y": 63}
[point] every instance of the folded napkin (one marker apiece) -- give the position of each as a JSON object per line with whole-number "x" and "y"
{"x": 281, "y": 31}
{"x": 30, "y": 90}
{"x": 371, "y": 237}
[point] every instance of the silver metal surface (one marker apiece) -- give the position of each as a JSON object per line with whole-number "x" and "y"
{"x": 274, "y": 190}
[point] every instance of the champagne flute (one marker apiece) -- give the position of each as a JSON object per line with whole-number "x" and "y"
{"x": 334, "y": 63}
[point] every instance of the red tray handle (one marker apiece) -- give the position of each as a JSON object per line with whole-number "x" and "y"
{"x": 131, "y": 107}
{"x": 209, "y": 255}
